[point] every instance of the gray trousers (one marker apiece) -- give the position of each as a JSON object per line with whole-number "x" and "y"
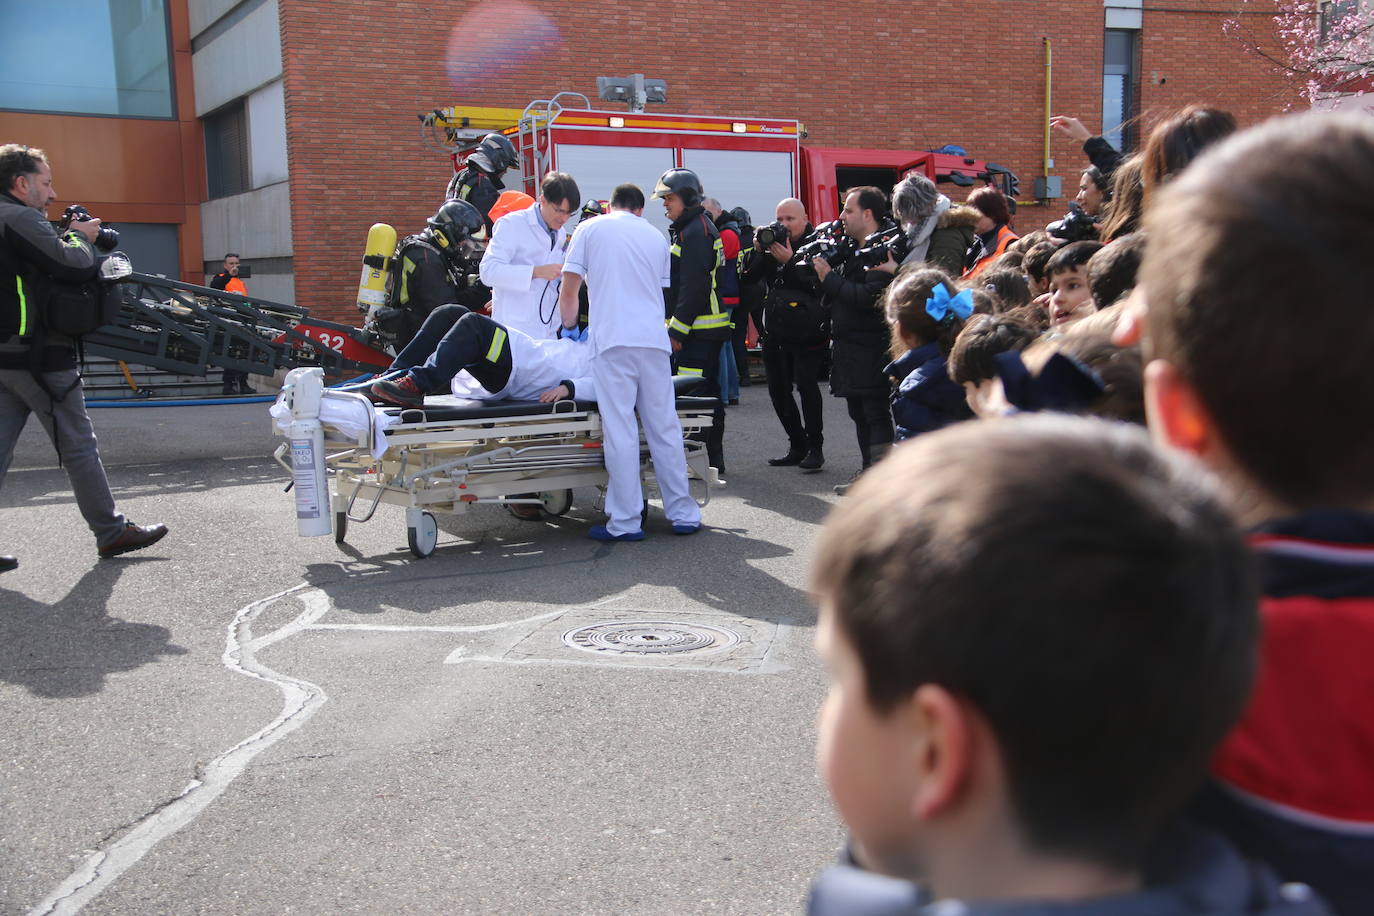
{"x": 69, "y": 427}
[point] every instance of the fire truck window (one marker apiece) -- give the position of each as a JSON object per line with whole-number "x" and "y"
{"x": 854, "y": 177}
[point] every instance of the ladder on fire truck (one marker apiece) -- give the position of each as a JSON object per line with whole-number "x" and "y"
{"x": 457, "y": 129}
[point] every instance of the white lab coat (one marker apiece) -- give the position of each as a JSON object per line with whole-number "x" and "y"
{"x": 518, "y": 244}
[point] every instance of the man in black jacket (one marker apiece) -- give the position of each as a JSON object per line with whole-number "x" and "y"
{"x": 795, "y": 328}
{"x": 858, "y": 329}
{"x": 38, "y": 371}
{"x": 698, "y": 322}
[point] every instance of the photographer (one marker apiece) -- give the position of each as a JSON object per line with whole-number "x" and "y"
{"x": 795, "y": 331}
{"x": 858, "y": 327}
{"x": 38, "y": 370}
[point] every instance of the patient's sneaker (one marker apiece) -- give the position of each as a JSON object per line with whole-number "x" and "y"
{"x": 402, "y": 391}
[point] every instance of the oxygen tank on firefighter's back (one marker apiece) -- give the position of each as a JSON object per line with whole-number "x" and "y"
{"x": 381, "y": 245}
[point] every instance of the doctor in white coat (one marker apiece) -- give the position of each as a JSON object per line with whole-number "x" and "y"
{"x": 524, "y": 260}
{"x": 626, "y": 263}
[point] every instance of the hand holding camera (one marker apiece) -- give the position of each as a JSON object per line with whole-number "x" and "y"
{"x": 79, "y": 218}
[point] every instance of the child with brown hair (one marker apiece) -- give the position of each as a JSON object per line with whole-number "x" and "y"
{"x": 1260, "y": 332}
{"x": 925, "y": 311}
{"x": 1036, "y": 630}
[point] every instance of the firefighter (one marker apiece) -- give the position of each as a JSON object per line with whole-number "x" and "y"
{"x": 432, "y": 270}
{"x": 698, "y": 323}
{"x": 479, "y": 183}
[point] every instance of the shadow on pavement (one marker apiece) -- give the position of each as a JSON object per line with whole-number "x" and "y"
{"x": 68, "y": 648}
{"x": 713, "y": 568}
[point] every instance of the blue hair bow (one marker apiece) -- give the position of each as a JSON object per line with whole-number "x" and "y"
{"x": 945, "y": 308}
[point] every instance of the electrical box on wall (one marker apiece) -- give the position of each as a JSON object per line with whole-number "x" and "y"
{"x": 1049, "y": 187}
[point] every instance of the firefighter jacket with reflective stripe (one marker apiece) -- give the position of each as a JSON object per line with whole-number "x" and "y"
{"x": 479, "y": 189}
{"x": 693, "y": 300}
{"x": 33, "y": 257}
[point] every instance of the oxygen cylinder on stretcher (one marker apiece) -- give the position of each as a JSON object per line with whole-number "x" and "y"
{"x": 381, "y": 245}
{"x": 302, "y": 391}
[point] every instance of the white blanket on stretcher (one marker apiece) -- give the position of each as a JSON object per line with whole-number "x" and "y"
{"x": 349, "y": 415}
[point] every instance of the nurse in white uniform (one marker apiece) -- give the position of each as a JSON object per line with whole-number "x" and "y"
{"x": 625, "y": 261}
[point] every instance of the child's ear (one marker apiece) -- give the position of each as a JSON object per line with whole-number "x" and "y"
{"x": 944, "y": 732}
{"x": 1176, "y": 415}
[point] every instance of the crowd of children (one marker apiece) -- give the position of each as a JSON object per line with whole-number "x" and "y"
{"x": 1076, "y": 671}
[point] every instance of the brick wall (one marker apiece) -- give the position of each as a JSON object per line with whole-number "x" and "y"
{"x": 855, "y": 72}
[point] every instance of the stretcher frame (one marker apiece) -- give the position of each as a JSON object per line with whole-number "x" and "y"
{"x": 443, "y": 459}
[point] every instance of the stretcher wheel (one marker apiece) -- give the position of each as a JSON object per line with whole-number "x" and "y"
{"x": 340, "y": 526}
{"x": 556, "y": 502}
{"x": 423, "y": 536}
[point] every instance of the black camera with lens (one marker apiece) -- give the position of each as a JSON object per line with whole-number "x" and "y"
{"x": 832, "y": 244}
{"x": 105, "y": 240}
{"x": 890, "y": 240}
{"x": 774, "y": 232}
{"x": 1076, "y": 226}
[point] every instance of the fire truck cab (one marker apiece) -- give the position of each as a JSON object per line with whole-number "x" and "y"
{"x": 743, "y": 162}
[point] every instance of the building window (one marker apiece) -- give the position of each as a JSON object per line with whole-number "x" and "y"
{"x": 1120, "y": 87}
{"x": 88, "y": 57}
{"x": 226, "y": 151}
{"x": 1331, "y": 13}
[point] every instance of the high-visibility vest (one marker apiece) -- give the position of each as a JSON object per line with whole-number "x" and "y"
{"x": 1004, "y": 238}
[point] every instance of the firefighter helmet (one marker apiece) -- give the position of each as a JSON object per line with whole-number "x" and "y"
{"x": 455, "y": 222}
{"x": 494, "y": 154}
{"x": 682, "y": 182}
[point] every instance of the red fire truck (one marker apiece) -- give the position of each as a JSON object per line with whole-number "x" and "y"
{"x": 743, "y": 162}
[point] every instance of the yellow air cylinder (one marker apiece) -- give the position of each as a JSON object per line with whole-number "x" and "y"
{"x": 381, "y": 244}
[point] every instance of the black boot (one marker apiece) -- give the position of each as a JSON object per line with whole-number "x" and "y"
{"x": 812, "y": 461}
{"x": 793, "y": 458}
{"x": 8, "y": 563}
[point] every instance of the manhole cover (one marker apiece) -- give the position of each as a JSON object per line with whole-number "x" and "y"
{"x": 649, "y": 637}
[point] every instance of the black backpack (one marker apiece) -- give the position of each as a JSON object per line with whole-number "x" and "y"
{"x": 76, "y": 309}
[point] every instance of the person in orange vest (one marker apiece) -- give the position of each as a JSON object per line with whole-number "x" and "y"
{"x": 235, "y": 380}
{"x": 994, "y": 233}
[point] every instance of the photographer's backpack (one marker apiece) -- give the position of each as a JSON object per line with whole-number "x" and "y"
{"x": 77, "y": 309}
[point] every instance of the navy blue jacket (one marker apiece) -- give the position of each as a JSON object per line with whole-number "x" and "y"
{"x": 1197, "y": 874}
{"x": 926, "y": 398}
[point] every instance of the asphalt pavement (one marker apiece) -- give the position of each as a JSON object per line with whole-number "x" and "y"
{"x": 242, "y": 720}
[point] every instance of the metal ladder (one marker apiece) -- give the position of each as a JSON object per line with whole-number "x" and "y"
{"x": 534, "y": 136}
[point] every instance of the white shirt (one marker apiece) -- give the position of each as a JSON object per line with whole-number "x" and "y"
{"x": 519, "y": 243}
{"x": 626, "y": 263}
{"x": 536, "y": 366}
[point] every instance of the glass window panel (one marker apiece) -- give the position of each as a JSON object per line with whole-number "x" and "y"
{"x": 1113, "y": 108}
{"x": 94, "y": 57}
{"x": 226, "y": 151}
{"x": 152, "y": 247}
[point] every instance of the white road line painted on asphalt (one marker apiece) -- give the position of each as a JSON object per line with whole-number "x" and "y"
{"x": 300, "y": 699}
{"x": 402, "y": 628}
{"x": 456, "y": 657}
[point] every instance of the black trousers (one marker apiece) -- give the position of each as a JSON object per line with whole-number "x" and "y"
{"x": 872, "y": 416}
{"x": 474, "y": 342}
{"x": 426, "y": 340}
{"x": 797, "y": 367}
{"x": 702, "y": 357}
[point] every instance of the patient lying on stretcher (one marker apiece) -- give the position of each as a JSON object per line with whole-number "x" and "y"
{"x": 475, "y": 357}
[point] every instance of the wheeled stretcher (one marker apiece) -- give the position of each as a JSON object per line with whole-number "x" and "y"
{"x": 347, "y": 457}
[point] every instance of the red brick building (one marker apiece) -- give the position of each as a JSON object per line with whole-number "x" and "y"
{"x": 309, "y": 107}
{"x": 856, "y": 73}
